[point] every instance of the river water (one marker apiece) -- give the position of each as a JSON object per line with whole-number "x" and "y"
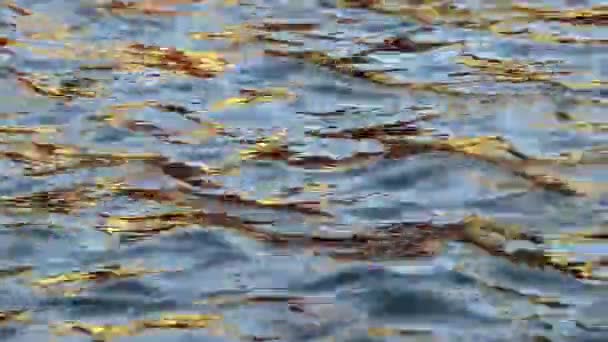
{"x": 278, "y": 170}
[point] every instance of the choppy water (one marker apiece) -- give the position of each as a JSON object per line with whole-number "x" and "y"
{"x": 367, "y": 148}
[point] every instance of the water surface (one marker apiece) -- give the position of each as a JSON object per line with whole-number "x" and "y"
{"x": 180, "y": 170}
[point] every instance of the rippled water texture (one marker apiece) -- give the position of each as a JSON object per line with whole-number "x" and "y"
{"x": 277, "y": 170}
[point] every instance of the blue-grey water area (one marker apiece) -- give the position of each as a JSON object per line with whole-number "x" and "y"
{"x": 282, "y": 170}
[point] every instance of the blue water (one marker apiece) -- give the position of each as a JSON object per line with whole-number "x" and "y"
{"x": 554, "y": 106}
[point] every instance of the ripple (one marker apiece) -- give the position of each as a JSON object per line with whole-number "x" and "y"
{"x": 243, "y": 146}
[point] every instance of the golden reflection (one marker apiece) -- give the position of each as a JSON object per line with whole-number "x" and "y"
{"x": 108, "y": 332}
{"x": 102, "y": 274}
{"x": 253, "y": 96}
